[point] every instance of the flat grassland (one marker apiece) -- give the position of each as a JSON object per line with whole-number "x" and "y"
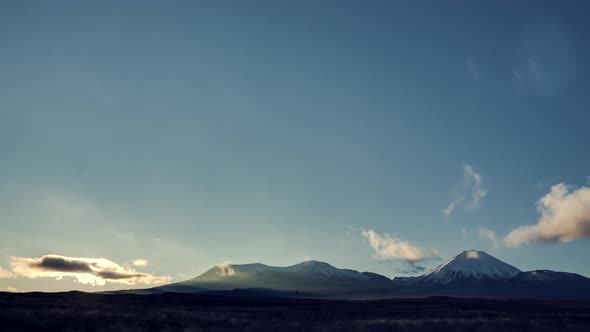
{"x": 75, "y": 311}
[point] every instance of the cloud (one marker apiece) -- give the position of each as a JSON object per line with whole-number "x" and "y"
{"x": 410, "y": 268}
{"x": 474, "y": 70}
{"x": 225, "y": 269}
{"x": 141, "y": 262}
{"x": 11, "y": 289}
{"x": 451, "y": 207}
{"x": 387, "y": 247}
{"x": 94, "y": 271}
{"x": 488, "y": 234}
{"x": 518, "y": 77}
{"x": 565, "y": 217}
{"x": 532, "y": 76}
{"x": 5, "y": 273}
{"x": 470, "y": 193}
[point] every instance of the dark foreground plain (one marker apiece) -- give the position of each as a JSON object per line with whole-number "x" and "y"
{"x": 75, "y": 311}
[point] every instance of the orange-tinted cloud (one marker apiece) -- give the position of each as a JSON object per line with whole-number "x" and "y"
{"x": 565, "y": 217}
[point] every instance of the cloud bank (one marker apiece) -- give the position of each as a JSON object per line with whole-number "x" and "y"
{"x": 94, "y": 271}
{"x": 387, "y": 247}
{"x": 471, "y": 191}
{"x": 565, "y": 217}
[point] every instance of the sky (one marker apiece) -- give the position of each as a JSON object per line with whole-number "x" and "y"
{"x": 144, "y": 142}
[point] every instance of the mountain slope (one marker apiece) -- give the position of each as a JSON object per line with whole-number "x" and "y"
{"x": 548, "y": 284}
{"x": 312, "y": 277}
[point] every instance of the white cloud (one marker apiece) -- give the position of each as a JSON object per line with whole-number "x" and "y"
{"x": 388, "y": 247}
{"x": 565, "y": 217}
{"x": 11, "y": 289}
{"x": 488, "y": 234}
{"x": 451, "y": 207}
{"x": 470, "y": 193}
{"x": 5, "y": 273}
{"x": 141, "y": 262}
{"x": 94, "y": 271}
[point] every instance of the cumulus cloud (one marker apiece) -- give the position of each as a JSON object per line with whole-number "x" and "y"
{"x": 565, "y": 217}
{"x": 141, "y": 262}
{"x": 470, "y": 193}
{"x": 94, "y": 271}
{"x": 388, "y": 247}
{"x": 489, "y": 235}
{"x": 5, "y": 273}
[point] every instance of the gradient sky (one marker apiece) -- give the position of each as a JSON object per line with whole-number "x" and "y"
{"x": 191, "y": 133}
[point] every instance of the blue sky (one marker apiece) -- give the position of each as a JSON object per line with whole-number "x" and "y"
{"x": 190, "y": 133}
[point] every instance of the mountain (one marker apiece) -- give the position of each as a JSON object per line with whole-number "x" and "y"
{"x": 469, "y": 274}
{"x": 471, "y": 264}
{"x": 478, "y": 274}
{"x": 312, "y": 277}
{"x": 548, "y": 284}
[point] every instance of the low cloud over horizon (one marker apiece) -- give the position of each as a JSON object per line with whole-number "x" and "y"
{"x": 92, "y": 271}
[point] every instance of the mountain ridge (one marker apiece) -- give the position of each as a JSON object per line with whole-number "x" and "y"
{"x": 471, "y": 273}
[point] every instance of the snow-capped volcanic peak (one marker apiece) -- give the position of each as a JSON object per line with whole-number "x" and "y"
{"x": 472, "y": 265}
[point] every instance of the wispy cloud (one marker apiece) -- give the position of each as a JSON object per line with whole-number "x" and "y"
{"x": 473, "y": 69}
{"x": 11, "y": 289}
{"x": 94, "y": 271}
{"x": 530, "y": 75}
{"x": 565, "y": 217}
{"x": 451, "y": 207}
{"x": 470, "y": 192}
{"x": 489, "y": 235}
{"x": 141, "y": 262}
{"x": 410, "y": 268}
{"x": 464, "y": 233}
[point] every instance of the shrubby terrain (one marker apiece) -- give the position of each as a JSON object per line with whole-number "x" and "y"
{"x": 75, "y": 311}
